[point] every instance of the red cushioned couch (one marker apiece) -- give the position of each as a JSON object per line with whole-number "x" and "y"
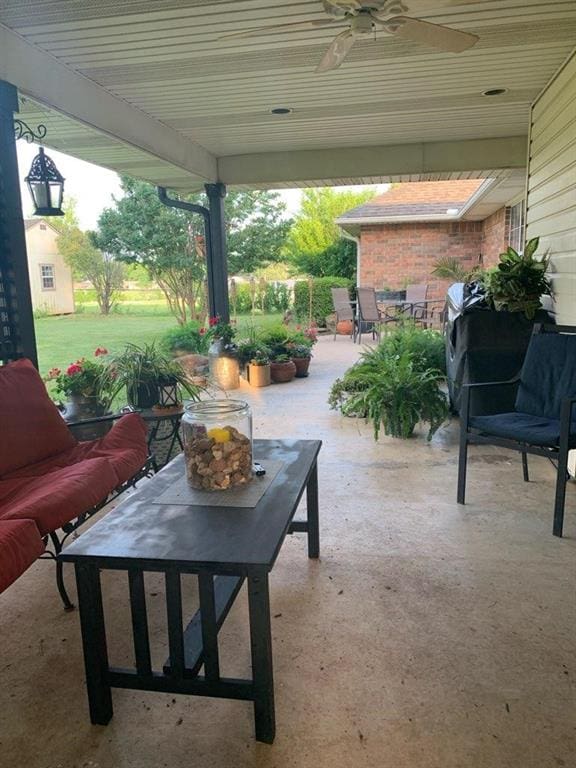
{"x": 48, "y": 480}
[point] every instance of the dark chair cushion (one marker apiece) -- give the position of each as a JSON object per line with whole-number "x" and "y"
{"x": 523, "y": 427}
{"x": 20, "y": 545}
{"x": 32, "y": 427}
{"x": 548, "y": 375}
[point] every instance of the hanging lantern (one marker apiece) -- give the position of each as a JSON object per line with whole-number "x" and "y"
{"x": 168, "y": 396}
{"x": 46, "y": 185}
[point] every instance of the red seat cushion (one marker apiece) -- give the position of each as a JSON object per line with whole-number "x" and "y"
{"x": 125, "y": 447}
{"x": 20, "y": 545}
{"x": 60, "y": 495}
{"x": 32, "y": 427}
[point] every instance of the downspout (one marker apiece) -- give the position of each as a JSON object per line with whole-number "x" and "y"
{"x": 171, "y": 202}
{"x": 356, "y": 240}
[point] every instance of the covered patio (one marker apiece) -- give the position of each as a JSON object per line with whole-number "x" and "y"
{"x": 428, "y": 634}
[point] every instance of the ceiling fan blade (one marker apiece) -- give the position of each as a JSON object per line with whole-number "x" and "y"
{"x": 422, "y": 6}
{"x": 437, "y": 36}
{"x": 337, "y": 52}
{"x": 317, "y": 23}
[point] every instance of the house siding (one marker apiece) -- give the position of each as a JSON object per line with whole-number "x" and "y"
{"x": 551, "y": 198}
{"x": 42, "y": 248}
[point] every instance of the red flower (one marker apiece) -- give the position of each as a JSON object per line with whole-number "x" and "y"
{"x": 53, "y": 373}
{"x": 99, "y": 351}
{"x": 214, "y": 321}
{"x": 73, "y": 369}
{"x": 202, "y": 331}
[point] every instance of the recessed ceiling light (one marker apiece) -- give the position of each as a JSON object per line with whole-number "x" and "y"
{"x": 494, "y": 92}
{"x": 281, "y": 110}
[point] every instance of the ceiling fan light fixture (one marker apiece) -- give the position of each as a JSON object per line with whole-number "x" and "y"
{"x": 281, "y": 110}
{"x": 494, "y": 91}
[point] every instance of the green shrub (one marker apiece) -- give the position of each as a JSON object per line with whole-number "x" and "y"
{"x": 186, "y": 338}
{"x": 280, "y": 339}
{"x": 273, "y": 297}
{"x": 322, "y": 304}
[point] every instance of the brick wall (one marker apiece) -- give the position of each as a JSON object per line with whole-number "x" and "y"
{"x": 496, "y": 231}
{"x": 393, "y": 255}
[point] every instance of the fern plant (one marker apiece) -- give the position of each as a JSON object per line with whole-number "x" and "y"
{"x": 519, "y": 281}
{"x": 398, "y": 395}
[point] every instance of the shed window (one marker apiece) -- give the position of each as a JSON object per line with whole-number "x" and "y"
{"x": 47, "y": 277}
{"x": 516, "y": 236}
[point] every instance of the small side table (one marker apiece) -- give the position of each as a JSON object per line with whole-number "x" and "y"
{"x": 164, "y": 429}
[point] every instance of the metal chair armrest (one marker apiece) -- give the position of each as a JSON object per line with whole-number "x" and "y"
{"x": 506, "y": 383}
{"x": 98, "y": 419}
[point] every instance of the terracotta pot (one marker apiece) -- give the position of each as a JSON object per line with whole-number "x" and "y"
{"x": 302, "y": 364}
{"x": 344, "y": 328}
{"x": 259, "y": 375}
{"x": 282, "y": 372}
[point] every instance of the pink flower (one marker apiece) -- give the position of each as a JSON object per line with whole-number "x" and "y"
{"x": 99, "y": 351}
{"x": 202, "y": 331}
{"x": 73, "y": 369}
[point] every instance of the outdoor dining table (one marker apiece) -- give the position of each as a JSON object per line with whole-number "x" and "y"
{"x": 223, "y": 546}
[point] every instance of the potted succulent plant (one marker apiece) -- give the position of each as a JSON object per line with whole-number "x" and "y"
{"x": 151, "y": 378}
{"x": 259, "y": 368}
{"x": 301, "y": 355}
{"x": 282, "y": 368}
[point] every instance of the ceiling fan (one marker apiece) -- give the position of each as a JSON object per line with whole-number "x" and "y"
{"x": 364, "y": 17}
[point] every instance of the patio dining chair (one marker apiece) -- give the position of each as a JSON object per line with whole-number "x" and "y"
{"x": 368, "y": 314}
{"x": 343, "y": 309}
{"x": 415, "y": 307}
{"x": 543, "y": 422}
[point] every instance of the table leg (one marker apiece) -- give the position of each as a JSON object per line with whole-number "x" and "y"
{"x": 94, "y": 643}
{"x": 313, "y": 516}
{"x": 261, "y": 647}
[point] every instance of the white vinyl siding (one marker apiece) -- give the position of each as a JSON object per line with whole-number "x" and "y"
{"x": 551, "y": 201}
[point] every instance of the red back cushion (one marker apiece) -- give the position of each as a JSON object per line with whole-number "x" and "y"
{"x": 31, "y": 427}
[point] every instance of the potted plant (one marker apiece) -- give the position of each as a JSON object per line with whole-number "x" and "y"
{"x": 301, "y": 354}
{"x": 282, "y": 368}
{"x": 88, "y": 386}
{"x": 259, "y": 369}
{"x": 150, "y": 377}
{"x": 399, "y": 396}
{"x": 519, "y": 281}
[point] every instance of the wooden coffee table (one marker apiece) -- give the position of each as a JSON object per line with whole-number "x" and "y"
{"x": 222, "y": 545}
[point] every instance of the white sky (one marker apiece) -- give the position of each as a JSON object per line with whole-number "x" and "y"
{"x": 93, "y": 187}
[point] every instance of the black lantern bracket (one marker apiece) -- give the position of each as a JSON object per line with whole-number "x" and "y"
{"x": 23, "y": 131}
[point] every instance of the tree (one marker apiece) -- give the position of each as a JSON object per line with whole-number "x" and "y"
{"x": 169, "y": 242}
{"x": 166, "y": 241}
{"x": 315, "y": 244}
{"x": 256, "y": 229}
{"x": 89, "y": 263}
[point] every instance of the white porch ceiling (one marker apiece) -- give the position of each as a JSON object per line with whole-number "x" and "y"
{"x": 148, "y": 88}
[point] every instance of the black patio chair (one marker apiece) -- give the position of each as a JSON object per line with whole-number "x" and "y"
{"x": 343, "y": 309}
{"x": 543, "y": 422}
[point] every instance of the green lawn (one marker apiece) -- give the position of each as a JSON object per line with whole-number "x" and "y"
{"x": 62, "y": 340}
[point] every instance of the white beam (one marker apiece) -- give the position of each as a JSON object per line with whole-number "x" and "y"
{"x": 40, "y": 76}
{"x": 331, "y": 165}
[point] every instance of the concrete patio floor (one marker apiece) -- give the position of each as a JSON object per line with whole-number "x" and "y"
{"x": 427, "y": 636}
